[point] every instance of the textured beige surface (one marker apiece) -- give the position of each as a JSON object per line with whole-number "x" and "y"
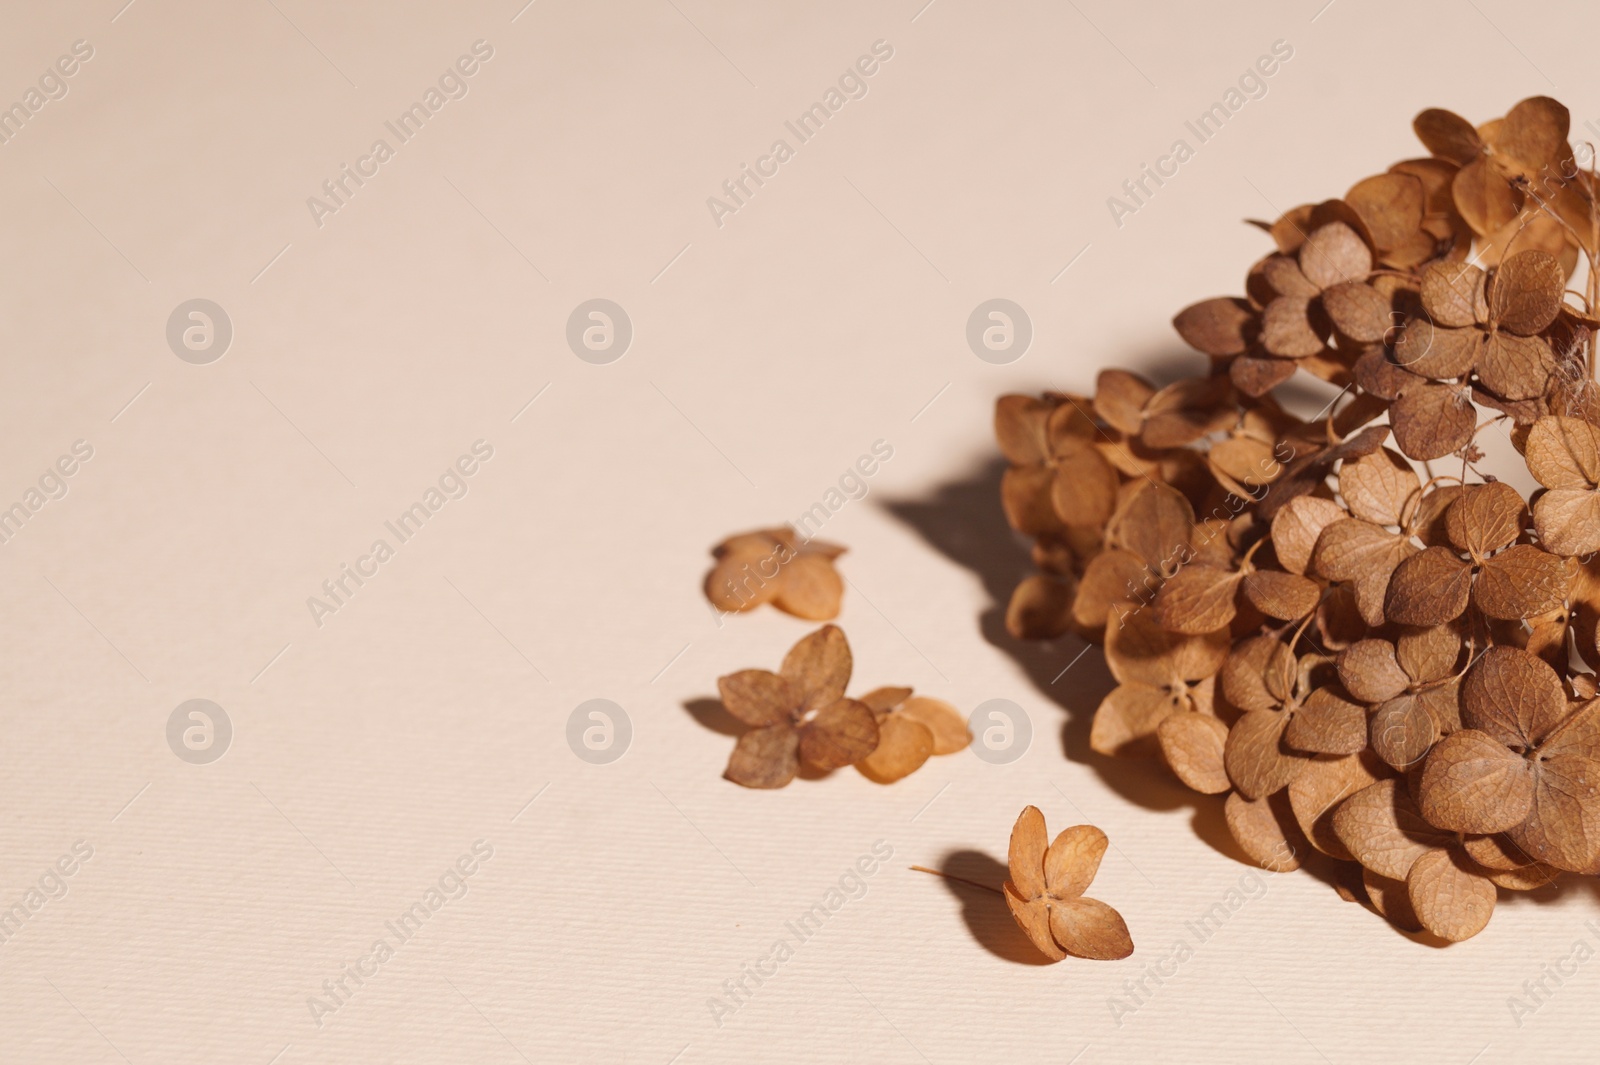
{"x": 828, "y": 312}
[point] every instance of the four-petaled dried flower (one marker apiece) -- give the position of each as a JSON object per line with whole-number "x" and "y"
{"x": 798, "y": 714}
{"x": 1045, "y": 892}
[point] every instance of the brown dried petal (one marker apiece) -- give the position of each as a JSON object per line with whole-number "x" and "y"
{"x": 1256, "y": 827}
{"x": 1515, "y": 367}
{"x": 1452, "y": 293}
{"x": 1072, "y": 861}
{"x": 1471, "y": 783}
{"x": 1358, "y": 311}
{"x": 1287, "y": 330}
{"x": 1436, "y": 352}
{"x": 1429, "y": 588}
{"x": 1185, "y": 411}
{"x": 1085, "y": 489}
{"x": 1070, "y": 428}
{"x": 882, "y": 700}
{"x": 1563, "y": 826}
{"x": 1026, "y": 496}
{"x": 1443, "y": 703}
{"x": 1216, "y": 326}
{"x": 818, "y": 667}
{"x": 1563, "y": 452}
{"x": 1383, "y": 830}
{"x": 1362, "y": 553}
{"x": 1284, "y": 596}
{"x": 1318, "y": 791}
{"x": 1192, "y": 744}
{"x": 1258, "y": 763}
{"x": 1041, "y": 607}
{"x": 1525, "y": 292}
{"x": 1568, "y": 520}
{"x": 944, "y": 723}
{"x": 1250, "y": 462}
{"x": 1026, "y": 858}
{"x": 1197, "y": 599}
{"x": 765, "y": 757}
{"x": 1126, "y": 720}
{"x": 1154, "y": 522}
{"x": 1328, "y": 723}
{"x": 1334, "y": 254}
{"x": 1106, "y": 586}
{"x": 1377, "y": 487}
{"x": 1533, "y": 135}
{"x": 811, "y": 589}
{"x": 735, "y": 582}
{"x": 1392, "y": 900}
{"x": 1486, "y": 518}
{"x": 1245, "y": 673}
{"x": 1371, "y": 672}
{"x": 758, "y": 698}
{"x": 1448, "y": 135}
{"x": 1019, "y": 426}
{"x": 1139, "y": 649}
{"x": 1521, "y": 582}
{"x": 1428, "y": 654}
{"x": 1433, "y": 420}
{"x": 1297, "y": 525}
{"x": 1428, "y": 523}
{"x": 1484, "y": 197}
{"x": 1255, "y": 376}
{"x": 1496, "y": 852}
{"x": 903, "y": 745}
{"x": 1380, "y": 377}
{"x": 1088, "y": 928}
{"x": 1033, "y": 917}
{"x": 1403, "y": 731}
{"x": 1526, "y": 878}
{"x": 1391, "y": 205}
{"x": 842, "y": 733}
{"x": 1512, "y": 696}
{"x": 1119, "y": 398}
{"x": 1285, "y": 277}
{"x": 1450, "y": 899}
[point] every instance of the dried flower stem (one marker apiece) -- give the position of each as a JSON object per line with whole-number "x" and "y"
{"x": 962, "y": 879}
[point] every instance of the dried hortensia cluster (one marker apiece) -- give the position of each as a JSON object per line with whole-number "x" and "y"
{"x": 1376, "y": 648}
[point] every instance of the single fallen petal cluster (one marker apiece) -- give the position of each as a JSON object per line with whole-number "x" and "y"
{"x": 800, "y": 716}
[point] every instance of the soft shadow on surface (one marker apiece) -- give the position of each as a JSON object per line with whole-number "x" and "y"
{"x": 962, "y": 519}
{"x": 985, "y": 912}
{"x": 713, "y": 715}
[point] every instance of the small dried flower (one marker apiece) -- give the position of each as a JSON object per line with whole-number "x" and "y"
{"x": 1045, "y": 892}
{"x": 775, "y": 566}
{"x": 798, "y": 714}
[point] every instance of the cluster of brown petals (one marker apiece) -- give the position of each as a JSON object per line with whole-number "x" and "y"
{"x": 800, "y": 715}
{"x": 1376, "y": 649}
{"x": 776, "y": 566}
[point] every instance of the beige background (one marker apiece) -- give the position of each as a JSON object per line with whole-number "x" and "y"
{"x": 371, "y": 351}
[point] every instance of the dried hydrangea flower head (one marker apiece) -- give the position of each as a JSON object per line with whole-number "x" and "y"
{"x": 1374, "y": 646}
